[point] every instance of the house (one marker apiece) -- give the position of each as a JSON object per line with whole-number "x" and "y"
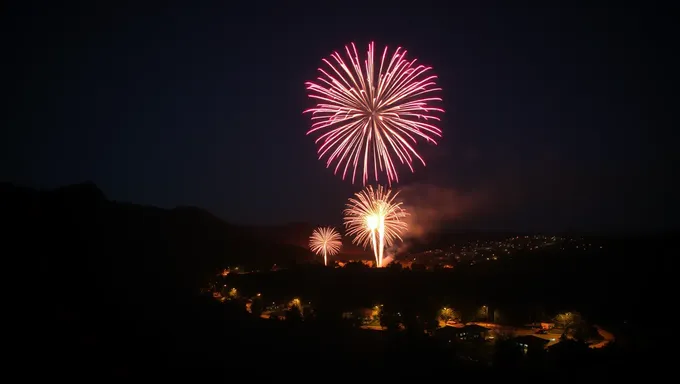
{"x": 530, "y": 342}
{"x": 473, "y": 332}
{"x": 547, "y": 326}
{"x": 468, "y": 332}
{"x": 446, "y": 334}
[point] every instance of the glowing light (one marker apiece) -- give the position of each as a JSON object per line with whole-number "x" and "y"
{"x": 368, "y": 116}
{"x": 295, "y": 303}
{"x": 375, "y": 220}
{"x": 325, "y": 241}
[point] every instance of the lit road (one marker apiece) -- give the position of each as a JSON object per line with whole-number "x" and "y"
{"x": 606, "y": 335}
{"x": 554, "y": 338}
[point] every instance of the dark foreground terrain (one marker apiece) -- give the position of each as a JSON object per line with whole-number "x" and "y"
{"x": 109, "y": 290}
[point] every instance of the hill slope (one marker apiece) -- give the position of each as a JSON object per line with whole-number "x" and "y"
{"x": 77, "y": 234}
{"x": 297, "y": 234}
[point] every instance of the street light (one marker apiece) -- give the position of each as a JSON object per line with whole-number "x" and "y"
{"x": 484, "y": 312}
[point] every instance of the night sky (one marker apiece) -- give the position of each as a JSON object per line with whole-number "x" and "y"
{"x": 552, "y": 118}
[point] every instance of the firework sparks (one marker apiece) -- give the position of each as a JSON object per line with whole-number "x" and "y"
{"x": 375, "y": 220}
{"x": 368, "y": 116}
{"x": 325, "y": 241}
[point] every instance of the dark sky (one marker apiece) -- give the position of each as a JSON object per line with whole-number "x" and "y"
{"x": 553, "y": 115}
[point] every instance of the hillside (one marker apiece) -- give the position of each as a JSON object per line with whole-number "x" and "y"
{"x": 77, "y": 234}
{"x": 297, "y": 234}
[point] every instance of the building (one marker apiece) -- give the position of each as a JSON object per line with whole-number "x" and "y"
{"x": 547, "y": 326}
{"x": 530, "y": 342}
{"x": 468, "y": 332}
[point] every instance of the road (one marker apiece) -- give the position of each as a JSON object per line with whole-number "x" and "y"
{"x": 372, "y": 327}
{"x": 606, "y": 335}
{"x": 554, "y": 338}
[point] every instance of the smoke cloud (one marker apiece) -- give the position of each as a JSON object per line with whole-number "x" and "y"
{"x": 387, "y": 260}
{"x": 430, "y": 207}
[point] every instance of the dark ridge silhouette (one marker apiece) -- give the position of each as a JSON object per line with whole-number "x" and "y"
{"x": 93, "y": 272}
{"x": 86, "y": 191}
{"x": 77, "y": 232}
{"x": 293, "y": 233}
{"x": 297, "y": 234}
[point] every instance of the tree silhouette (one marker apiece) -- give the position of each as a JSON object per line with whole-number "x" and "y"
{"x": 389, "y": 320}
{"x": 257, "y": 307}
{"x": 507, "y": 354}
{"x": 293, "y": 314}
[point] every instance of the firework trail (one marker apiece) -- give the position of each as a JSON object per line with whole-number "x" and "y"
{"x": 370, "y": 115}
{"x": 375, "y": 220}
{"x": 325, "y": 241}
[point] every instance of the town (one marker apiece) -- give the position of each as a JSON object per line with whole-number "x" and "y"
{"x": 479, "y": 251}
{"x": 475, "y": 335}
{"x": 462, "y": 253}
{"x": 475, "y": 323}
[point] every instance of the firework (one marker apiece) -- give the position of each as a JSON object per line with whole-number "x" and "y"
{"x": 375, "y": 220}
{"x": 325, "y": 241}
{"x": 370, "y": 116}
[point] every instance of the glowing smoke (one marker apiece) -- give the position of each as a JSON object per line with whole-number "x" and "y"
{"x": 431, "y": 207}
{"x": 387, "y": 260}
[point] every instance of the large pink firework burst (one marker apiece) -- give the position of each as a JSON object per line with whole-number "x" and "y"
{"x": 370, "y": 117}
